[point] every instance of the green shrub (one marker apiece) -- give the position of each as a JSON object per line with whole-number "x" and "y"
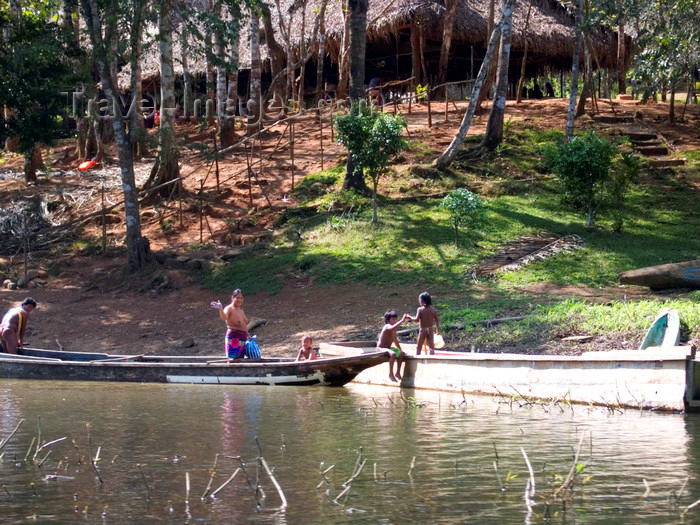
{"x": 583, "y": 167}
{"x": 465, "y": 208}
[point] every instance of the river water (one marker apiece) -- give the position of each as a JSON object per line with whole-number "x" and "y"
{"x": 422, "y": 456}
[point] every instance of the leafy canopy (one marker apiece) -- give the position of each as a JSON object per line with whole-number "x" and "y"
{"x": 38, "y": 68}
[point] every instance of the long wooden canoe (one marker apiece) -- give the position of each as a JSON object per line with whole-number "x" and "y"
{"x": 83, "y": 366}
{"x": 673, "y": 275}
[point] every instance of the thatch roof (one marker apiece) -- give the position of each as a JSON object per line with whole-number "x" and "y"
{"x": 550, "y": 33}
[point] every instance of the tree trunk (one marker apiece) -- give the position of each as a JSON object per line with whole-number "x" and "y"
{"x": 211, "y": 80}
{"x": 672, "y": 105}
{"x": 575, "y": 69}
{"x": 444, "y": 160}
{"x": 587, "y": 90}
{"x": 320, "y": 84}
{"x": 494, "y": 129}
{"x": 302, "y": 69}
{"x": 221, "y": 76}
{"x": 137, "y": 131}
{"x": 521, "y": 80}
{"x": 15, "y": 10}
{"x": 621, "y": 52}
{"x": 254, "y": 110}
{"x": 354, "y": 179}
{"x": 448, "y": 22}
{"x": 228, "y": 125}
{"x": 344, "y": 60}
{"x": 416, "y": 67}
{"x": 187, "y": 95}
{"x": 166, "y": 168}
{"x": 276, "y": 53}
{"x": 493, "y": 65}
{"x": 138, "y": 248}
{"x": 32, "y": 162}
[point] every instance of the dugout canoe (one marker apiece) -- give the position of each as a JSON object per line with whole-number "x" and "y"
{"x": 664, "y": 332}
{"x": 84, "y": 366}
{"x": 673, "y": 275}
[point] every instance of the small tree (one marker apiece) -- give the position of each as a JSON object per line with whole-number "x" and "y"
{"x": 37, "y": 62}
{"x": 625, "y": 171}
{"x": 372, "y": 140}
{"x": 583, "y": 164}
{"x": 466, "y": 209}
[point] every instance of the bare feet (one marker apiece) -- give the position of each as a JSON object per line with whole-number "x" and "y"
{"x": 432, "y": 352}
{"x": 398, "y": 376}
{"x": 392, "y": 378}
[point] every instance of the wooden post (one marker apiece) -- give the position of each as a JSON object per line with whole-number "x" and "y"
{"x": 427, "y": 98}
{"x": 216, "y": 160}
{"x": 104, "y": 223}
{"x": 410, "y": 96}
{"x": 320, "y": 119}
{"x": 447, "y": 101}
{"x": 201, "y": 212}
{"x": 179, "y": 198}
{"x": 331, "y": 122}
{"x": 291, "y": 148}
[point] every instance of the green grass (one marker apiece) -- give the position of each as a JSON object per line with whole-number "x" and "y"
{"x": 415, "y": 241}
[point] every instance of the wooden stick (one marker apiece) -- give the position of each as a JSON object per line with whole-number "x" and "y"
{"x": 4, "y": 441}
{"x": 350, "y": 480}
{"x": 211, "y": 477}
{"x": 143, "y": 477}
{"x": 274, "y": 482}
{"x": 413, "y": 464}
{"x": 235, "y": 472}
{"x": 530, "y": 488}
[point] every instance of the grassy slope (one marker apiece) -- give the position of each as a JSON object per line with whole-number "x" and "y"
{"x": 415, "y": 240}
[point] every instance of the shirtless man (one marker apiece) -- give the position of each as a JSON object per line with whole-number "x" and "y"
{"x": 426, "y": 317}
{"x": 389, "y": 341}
{"x": 13, "y": 325}
{"x": 236, "y": 325}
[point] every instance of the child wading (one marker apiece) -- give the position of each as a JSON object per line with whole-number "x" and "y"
{"x": 426, "y": 317}
{"x": 389, "y": 341}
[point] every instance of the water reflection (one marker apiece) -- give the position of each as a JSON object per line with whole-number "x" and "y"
{"x": 427, "y": 456}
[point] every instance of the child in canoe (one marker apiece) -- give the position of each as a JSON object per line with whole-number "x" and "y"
{"x": 426, "y": 317}
{"x": 389, "y": 341}
{"x": 306, "y": 353}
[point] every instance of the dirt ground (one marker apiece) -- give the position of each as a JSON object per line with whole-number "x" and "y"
{"x": 90, "y": 305}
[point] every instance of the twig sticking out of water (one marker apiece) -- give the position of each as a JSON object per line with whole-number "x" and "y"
{"x": 284, "y": 445}
{"x": 143, "y": 477}
{"x": 274, "y": 482}
{"x": 677, "y": 497}
{"x": 212, "y": 473}
{"x": 572, "y": 473}
{"x": 689, "y": 507}
{"x": 187, "y": 487}
{"x": 93, "y": 461}
{"x": 323, "y": 475}
{"x": 229, "y": 480}
{"x": 6, "y": 491}
{"x": 4, "y": 441}
{"x": 410, "y": 469}
{"x": 357, "y": 473}
{"x": 29, "y": 450}
{"x": 247, "y": 479}
{"x": 346, "y": 489}
{"x": 500, "y": 481}
{"x": 42, "y": 447}
{"x": 647, "y": 492}
{"x": 530, "y": 487}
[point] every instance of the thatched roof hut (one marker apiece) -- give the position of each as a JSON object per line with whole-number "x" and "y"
{"x": 550, "y": 38}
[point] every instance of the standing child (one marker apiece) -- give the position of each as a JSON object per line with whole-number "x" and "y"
{"x": 389, "y": 341}
{"x": 306, "y": 353}
{"x": 426, "y": 317}
{"x": 236, "y": 325}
